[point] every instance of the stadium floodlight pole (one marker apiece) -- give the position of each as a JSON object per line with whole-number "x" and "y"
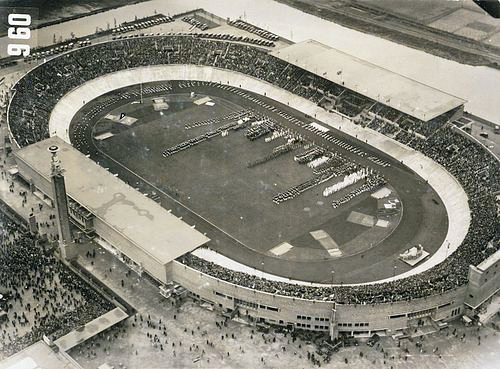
{"x": 141, "y": 93}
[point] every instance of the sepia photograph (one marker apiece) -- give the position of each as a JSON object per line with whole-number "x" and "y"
{"x": 249, "y": 184}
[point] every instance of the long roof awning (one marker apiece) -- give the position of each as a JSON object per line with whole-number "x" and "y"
{"x": 138, "y": 218}
{"x": 402, "y": 93}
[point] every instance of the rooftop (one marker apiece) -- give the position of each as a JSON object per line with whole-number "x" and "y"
{"x": 404, "y": 94}
{"x": 39, "y": 356}
{"x": 138, "y": 218}
{"x": 488, "y": 262}
{"x": 92, "y": 328}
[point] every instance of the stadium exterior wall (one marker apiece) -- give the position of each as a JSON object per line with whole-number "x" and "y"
{"x": 277, "y": 309}
{"x": 30, "y": 175}
{"x": 112, "y": 237}
{"x": 484, "y": 282}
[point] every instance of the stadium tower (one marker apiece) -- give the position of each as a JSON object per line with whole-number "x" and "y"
{"x": 67, "y": 247}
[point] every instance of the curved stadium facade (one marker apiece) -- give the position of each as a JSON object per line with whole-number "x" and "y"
{"x": 458, "y": 283}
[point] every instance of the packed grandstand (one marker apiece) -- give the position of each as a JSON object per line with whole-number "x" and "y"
{"x": 475, "y": 168}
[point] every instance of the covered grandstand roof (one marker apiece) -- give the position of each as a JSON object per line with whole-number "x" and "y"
{"x": 39, "y": 356}
{"x": 404, "y": 94}
{"x": 139, "y": 219}
{"x": 490, "y": 261}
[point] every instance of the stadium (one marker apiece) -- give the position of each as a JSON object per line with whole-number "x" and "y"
{"x": 292, "y": 184}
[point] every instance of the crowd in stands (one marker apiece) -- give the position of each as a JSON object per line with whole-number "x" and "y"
{"x": 476, "y": 170}
{"x": 400, "y": 126}
{"x": 62, "y": 46}
{"x": 43, "y": 296}
{"x": 56, "y": 77}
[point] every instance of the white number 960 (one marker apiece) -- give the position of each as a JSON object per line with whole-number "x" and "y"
{"x": 19, "y": 33}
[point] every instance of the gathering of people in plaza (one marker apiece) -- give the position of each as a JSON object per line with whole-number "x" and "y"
{"x": 191, "y": 334}
{"x": 40, "y": 295}
{"x": 477, "y": 170}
